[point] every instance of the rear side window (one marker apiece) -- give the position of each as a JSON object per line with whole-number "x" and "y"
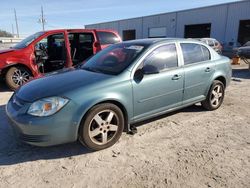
{"x": 162, "y": 58}
{"x": 194, "y": 53}
{"x": 107, "y": 38}
{"x": 205, "y": 53}
{"x": 86, "y": 37}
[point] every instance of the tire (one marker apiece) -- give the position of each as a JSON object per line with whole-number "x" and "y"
{"x": 17, "y": 76}
{"x": 215, "y": 96}
{"x": 102, "y": 127}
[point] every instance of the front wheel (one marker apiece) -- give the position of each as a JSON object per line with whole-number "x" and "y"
{"x": 215, "y": 96}
{"x": 102, "y": 127}
{"x": 17, "y": 76}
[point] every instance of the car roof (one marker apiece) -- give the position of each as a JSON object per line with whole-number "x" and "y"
{"x": 151, "y": 41}
{"x": 79, "y": 29}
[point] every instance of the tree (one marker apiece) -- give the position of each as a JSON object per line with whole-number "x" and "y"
{"x": 5, "y": 34}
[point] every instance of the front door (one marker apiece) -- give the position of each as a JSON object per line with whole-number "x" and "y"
{"x": 54, "y": 53}
{"x": 161, "y": 87}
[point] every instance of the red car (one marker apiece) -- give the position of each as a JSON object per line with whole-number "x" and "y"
{"x": 49, "y": 51}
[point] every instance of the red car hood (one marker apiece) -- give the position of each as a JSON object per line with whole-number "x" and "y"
{"x": 6, "y": 51}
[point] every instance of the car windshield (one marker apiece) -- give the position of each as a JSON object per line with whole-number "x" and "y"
{"x": 25, "y": 42}
{"x": 247, "y": 44}
{"x": 115, "y": 58}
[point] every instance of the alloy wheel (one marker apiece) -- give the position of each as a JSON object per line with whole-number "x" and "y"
{"x": 103, "y": 127}
{"x": 19, "y": 77}
{"x": 216, "y": 96}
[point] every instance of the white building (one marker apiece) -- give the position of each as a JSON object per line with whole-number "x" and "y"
{"x": 226, "y": 22}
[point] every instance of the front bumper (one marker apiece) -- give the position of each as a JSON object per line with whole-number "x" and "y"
{"x": 41, "y": 131}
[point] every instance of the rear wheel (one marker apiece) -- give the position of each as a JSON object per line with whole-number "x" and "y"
{"x": 102, "y": 127}
{"x": 215, "y": 96}
{"x": 17, "y": 76}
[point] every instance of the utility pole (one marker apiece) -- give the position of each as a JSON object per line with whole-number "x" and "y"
{"x": 42, "y": 19}
{"x": 17, "y": 30}
{"x": 12, "y": 27}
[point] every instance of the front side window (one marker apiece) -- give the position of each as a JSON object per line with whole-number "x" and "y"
{"x": 164, "y": 57}
{"x": 54, "y": 41}
{"x": 194, "y": 53}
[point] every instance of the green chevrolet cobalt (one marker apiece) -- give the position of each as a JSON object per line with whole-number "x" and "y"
{"x": 123, "y": 84}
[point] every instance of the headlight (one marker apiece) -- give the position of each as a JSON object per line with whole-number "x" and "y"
{"x": 47, "y": 106}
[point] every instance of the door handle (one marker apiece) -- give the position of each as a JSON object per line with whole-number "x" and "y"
{"x": 208, "y": 69}
{"x": 176, "y": 77}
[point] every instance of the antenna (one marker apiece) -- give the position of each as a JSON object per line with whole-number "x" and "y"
{"x": 16, "y": 23}
{"x": 42, "y": 20}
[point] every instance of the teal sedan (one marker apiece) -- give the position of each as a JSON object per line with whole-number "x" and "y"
{"x": 119, "y": 86}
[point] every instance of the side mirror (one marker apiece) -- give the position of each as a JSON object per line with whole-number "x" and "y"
{"x": 150, "y": 69}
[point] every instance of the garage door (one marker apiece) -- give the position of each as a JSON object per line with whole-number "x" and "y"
{"x": 198, "y": 31}
{"x": 244, "y": 31}
{"x": 157, "y": 32}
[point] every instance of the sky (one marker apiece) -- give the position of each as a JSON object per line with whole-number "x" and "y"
{"x": 77, "y": 13}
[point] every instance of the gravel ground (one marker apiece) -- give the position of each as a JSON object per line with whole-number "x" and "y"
{"x": 188, "y": 148}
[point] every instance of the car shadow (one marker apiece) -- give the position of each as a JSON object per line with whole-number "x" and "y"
{"x": 241, "y": 73}
{"x": 13, "y": 151}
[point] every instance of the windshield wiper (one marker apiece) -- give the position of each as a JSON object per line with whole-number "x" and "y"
{"x": 92, "y": 69}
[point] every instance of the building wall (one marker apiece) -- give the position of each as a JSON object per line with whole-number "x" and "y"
{"x": 224, "y": 21}
{"x": 131, "y": 24}
{"x": 236, "y": 12}
{"x": 164, "y": 20}
{"x": 214, "y": 15}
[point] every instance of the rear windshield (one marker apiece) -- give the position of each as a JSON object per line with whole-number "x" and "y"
{"x": 25, "y": 42}
{"x": 247, "y": 44}
{"x": 107, "y": 37}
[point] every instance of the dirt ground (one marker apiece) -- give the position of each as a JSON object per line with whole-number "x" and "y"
{"x": 188, "y": 148}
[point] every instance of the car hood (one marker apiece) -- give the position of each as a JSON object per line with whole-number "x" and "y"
{"x": 59, "y": 83}
{"x": 244, "y": 48}
{"x": 6, "y": 51}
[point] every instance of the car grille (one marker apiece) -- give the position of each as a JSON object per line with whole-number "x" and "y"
{"x": 33, "y": 138}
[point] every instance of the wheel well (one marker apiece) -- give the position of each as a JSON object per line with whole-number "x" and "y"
{"x": 222, "y": 79}
{"x": 5, "y": 70}
{"x": 119, "y": 105}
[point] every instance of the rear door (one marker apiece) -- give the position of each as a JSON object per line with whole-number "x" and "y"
{"x": 161, "y": 87}
{"x": 198, "y": 70}
{"x": 81, "y": 45}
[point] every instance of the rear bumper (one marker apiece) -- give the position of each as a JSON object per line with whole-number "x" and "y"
{"x": 41, "y": 131}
